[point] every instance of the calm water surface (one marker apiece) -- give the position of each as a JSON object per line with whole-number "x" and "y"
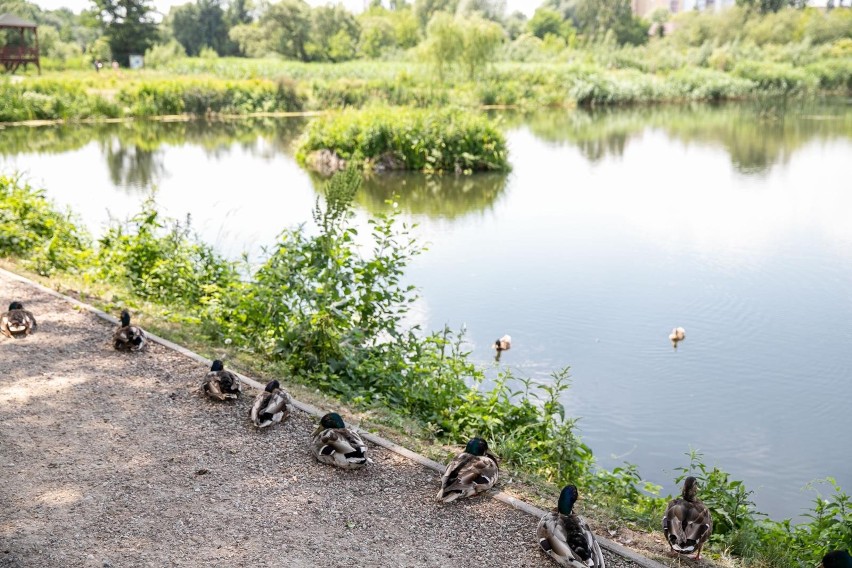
{"x": 612, "y": 228}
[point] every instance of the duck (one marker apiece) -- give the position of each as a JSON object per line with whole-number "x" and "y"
{"x": 17, "y": 322}
{"x": 220, "y": 384}
{"x": 270, "y": 406}
{"x": 129, "y": 337}
{"x": 677, "y": 335}
{"x": 837, "y": 559}
{"x": 687, "y": 523}
{"x": 471, "y": 472}
{"x": 502, "y": 344}
{"x": 566, "y": 537}
{"x": 335, "y": 444}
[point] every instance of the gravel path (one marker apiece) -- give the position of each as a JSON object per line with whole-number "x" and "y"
{"x": 113, "y": 459}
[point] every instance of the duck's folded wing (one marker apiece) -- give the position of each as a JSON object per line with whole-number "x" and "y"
{"x": 477, "y": 472}
{"x": 552, "y": 536}
{"x": 258, "y": 407}
{"x": 697, "y": 526}
{"x": 339, "y": 441}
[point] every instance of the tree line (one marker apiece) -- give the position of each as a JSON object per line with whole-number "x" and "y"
{"x": 464, "y": 32}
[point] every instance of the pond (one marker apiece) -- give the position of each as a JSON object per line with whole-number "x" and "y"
{"x": 612, "y": 228}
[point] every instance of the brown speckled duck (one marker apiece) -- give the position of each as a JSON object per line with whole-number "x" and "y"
{"x": 335, "y": 444}
{"x": 687, "y": 524}
{"x": 566, "y": 537}
{"x": 17, "y": 322}
{"x": 220, "y": 384}
{"x": 471, "y": 472}
{"x": 270, "y": 406}
{"x": 129, "y": 337}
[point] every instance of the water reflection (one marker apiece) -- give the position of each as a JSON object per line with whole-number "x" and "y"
{"x": 448, "y": 196}
{"x": 134, "y": 150}
{"x": 755, "y": 136}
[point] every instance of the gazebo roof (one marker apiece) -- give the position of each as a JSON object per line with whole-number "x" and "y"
{"x": 13, "y": 21}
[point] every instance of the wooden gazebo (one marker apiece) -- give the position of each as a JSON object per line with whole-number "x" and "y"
{"x": 19, "y": 50}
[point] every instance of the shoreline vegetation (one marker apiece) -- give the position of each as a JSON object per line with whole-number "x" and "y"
{"x": 296, "y": 87}
{"x": 328, "y": 314}
{"x": 392, "y": 139}
{"x": 735, "y": 54}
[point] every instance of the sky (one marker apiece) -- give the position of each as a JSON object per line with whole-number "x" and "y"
{"x": 525, "y": 6}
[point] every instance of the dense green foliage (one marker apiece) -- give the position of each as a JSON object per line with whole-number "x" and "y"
{"x": 332, "y": 313}
{"x": 407, "y": 139}
{"x": 32, "y": 229}
{"x": 74, "y": 99}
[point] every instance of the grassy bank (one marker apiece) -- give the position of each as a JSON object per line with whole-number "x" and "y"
{"x": 404, "y": 139}
{"x": 327, "y": 314}
{"x": 241, "y": 86}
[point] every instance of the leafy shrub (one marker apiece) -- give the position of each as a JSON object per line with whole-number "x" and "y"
{"x": 32, "y": 228}
{"x": 397, "y": 138}
{"x": 161, "y": 260}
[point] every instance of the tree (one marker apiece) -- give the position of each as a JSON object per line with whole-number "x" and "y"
{"x": 545, "y": 21}
{"x": 444, "y": 38}
{"x": 597, "y": 17}
{"x": 765, "y": 6}
{"x": 200, "y": 25}
{"x": 287, "y": 25}
{"x": 377, "y": 36}
{"x": 425, "y": 9}
{"x": 494, "y": 10}
{"x": 515, "y": 24}
{"x": 128, "y": 26}
{"x": 481, "y": 38}
{"x": 334, "y": 34}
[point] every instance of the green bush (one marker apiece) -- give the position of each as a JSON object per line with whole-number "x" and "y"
{"x": 32, "y": 229}
{"x": 411, "y": 139}
{"x": 160, "y": 259}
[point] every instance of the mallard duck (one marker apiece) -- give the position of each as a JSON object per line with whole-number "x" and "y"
{"x": 333, "y": 443}
{"x": 677, "y": 335}
{"x": 472, "y": 471}
{"x": 220, "y": 384}
{"x": 17, "y": 322}
{"x": 566, "y": 537}
{"x": 837, "y": 559}
{"x": 503, "y": 344}
{"x": 129, "y": 337}
{"x": 270, "y": 406}
{"x": 687, "y": 522}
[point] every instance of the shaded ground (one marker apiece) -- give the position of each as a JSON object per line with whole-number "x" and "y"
{"x": 113, "y": 459}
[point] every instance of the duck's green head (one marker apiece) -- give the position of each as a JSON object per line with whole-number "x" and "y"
{"x": 332, "y": 420}
{"x": 690, "y": 488}
{"x": 16, "y": 306}
{"x": 272, "y": 385}
{"x": 217, "y": 365}
{"x": 837, "y": 559}
{"x": 567, "y": 499}
{"x": 125, "y": 318}
{"x": 476, "y": 446}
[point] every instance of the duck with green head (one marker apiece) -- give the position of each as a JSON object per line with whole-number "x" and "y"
{"x": 272, "y": 405}
{"x": 220, "y": 384}
{"x": 335, "y": 444}
{"x": 687, "y": 523}
{"x": 129, "y": 337}
{"x": 469, "y": 473}
{"x": 566, "y": 537}
{"x": 17, "y": 322}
